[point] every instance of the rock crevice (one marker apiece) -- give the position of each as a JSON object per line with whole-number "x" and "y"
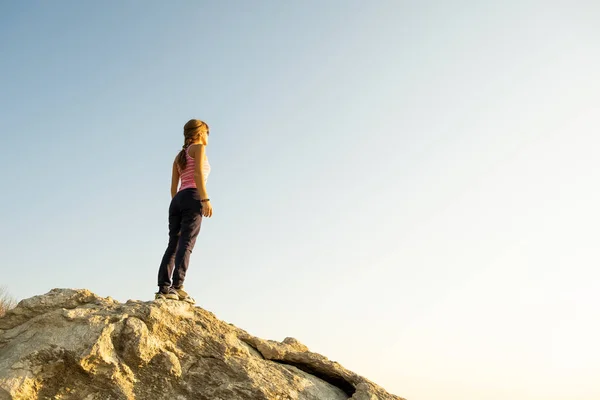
{"x": 293, "y": 353}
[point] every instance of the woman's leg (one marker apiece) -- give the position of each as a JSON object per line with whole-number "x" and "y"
{"x": 191, "y": 219}
{"x": 165, "y": 271}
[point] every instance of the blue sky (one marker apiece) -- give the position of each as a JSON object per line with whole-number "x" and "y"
{"x": 409, "y": 188}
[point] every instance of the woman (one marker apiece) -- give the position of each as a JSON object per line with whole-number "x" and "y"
{"x": 188, "y": 205}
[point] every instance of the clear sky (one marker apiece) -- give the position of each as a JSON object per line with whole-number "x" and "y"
{"x": 409, "y": 188}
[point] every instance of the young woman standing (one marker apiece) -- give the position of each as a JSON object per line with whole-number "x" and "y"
{"x": 188, "y": 205}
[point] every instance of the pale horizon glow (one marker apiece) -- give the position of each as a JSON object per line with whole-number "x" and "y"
{"x": 408, "y": 189}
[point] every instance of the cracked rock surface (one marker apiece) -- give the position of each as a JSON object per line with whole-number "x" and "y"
{"x": 74, "y": 345}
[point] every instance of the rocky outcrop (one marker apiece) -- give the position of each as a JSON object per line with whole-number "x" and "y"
{"x": 72, "y": 344}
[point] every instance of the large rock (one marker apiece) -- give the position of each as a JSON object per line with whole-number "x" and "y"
{"x": 72, "y": 344}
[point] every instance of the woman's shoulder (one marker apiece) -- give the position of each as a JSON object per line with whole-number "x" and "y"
{"x": 195, "y": 150}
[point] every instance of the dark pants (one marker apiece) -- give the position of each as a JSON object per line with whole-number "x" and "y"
{"x": 185, "y": 218}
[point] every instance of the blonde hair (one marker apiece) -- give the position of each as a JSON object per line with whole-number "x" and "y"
{"x": 191, "y": 133}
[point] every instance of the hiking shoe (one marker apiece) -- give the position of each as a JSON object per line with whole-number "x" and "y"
{"x": 165, "y": 294}
{"x": 183, "y": 295}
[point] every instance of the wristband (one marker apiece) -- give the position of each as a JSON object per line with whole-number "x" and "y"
{"x": 204, "y": 200}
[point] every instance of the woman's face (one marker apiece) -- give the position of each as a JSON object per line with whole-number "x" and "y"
{"x": 204, "y": 138}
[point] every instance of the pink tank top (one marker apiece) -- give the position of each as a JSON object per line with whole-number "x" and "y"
{"x": 187, "y": 174}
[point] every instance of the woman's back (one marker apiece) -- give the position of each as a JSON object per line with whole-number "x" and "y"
{"x": 187, "y": 174}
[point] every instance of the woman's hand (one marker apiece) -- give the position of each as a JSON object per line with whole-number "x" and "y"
{"x": 206, "y": 209}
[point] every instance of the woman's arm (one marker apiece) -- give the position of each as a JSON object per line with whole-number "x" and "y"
{"x": 199, "y": 179}
{"x": 199, "y": 172}
{"x": 174, "y": 179}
